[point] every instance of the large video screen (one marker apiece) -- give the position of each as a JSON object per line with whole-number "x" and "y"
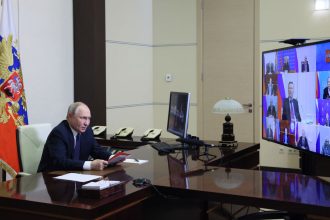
{"x": 296, "y": 97}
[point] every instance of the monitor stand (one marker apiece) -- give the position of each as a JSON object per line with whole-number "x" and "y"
{"x": 313, "y": 164}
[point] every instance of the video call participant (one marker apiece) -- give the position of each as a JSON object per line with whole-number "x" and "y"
{"x": 285, "y": 136}
{"x": 326, "y": 148}
{"x": 271, "y": 111}
{"x": 286, "y": 64}
{"x": 326, "y": 90}
{"x": 303, "y": 142}
{"x": 71, "y": 143}
{"x": 327, "y": 120}
{"x": 269, "y": 132}
{"x": 270, "y": 68}
{"x": 290, "y": 106}
{"x": 270, "y": 88}
{"x": 304, "y": 65}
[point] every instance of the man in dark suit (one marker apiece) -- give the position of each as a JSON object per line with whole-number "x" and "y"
{"x": 304, "y": 65}
{"x": 270, "y": 68}
{"x": 286, "y": 64}
{"x": 71, "y": 143}
{"x": 290, "y": 106}
{"x": 270, "y": 87}
{"x": 326, "y": 90}
{"x": 271, "y": 111}
{"x": 303, "y": 142}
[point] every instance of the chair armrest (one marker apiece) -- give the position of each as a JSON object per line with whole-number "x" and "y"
{"x": 20, "y": 174}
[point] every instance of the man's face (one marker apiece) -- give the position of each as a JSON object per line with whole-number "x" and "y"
{"x": 81, "y": 119}
{"x": 328, "y": 82}
{"x": 290, "y": 90}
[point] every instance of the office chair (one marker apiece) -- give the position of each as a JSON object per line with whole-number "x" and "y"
{"x": 30, "y": 144}
{"x": 6, "y": 169}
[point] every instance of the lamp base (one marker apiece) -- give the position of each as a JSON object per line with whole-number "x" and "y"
{"x": 228, "y": 144}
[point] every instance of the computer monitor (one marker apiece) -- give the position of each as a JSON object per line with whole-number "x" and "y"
{"x": 178, "y": 114}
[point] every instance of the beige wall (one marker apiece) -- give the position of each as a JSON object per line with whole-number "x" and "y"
{"x": 144, "y": 41}
{"x": 283, "y": 19}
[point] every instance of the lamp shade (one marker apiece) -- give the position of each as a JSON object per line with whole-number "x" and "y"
{"x": 321, "y": 4}
{"x": 226, "y": 106}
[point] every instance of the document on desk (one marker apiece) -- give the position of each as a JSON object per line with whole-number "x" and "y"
{"x": 134, "y": 160}
{"x": 78, "y": 177}
{"x": 99, "y": 185}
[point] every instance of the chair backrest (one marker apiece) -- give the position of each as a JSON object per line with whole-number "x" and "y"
{"x": 30, "y": 141}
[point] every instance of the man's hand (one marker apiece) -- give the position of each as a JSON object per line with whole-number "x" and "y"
{"x": 99, "y": 164}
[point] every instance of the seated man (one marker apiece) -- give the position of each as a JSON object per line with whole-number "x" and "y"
{"x": 303, "y": 141}
{"x": 71, "y": 143}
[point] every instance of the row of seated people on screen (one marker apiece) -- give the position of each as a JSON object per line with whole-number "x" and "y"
{"x": 290, "y": 106}
{"x": 290, "y": 110}
{"x": 271, "y": 89}
{"x": 302, "y": 143}
{"x": 270, "y": 66}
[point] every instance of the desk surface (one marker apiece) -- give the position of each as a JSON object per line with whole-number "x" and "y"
{"x": 41, "y": 195}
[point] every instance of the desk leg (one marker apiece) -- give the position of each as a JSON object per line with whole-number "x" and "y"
{"x": 204, "y": 208}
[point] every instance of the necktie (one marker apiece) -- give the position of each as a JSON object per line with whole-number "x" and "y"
{"x": 292, "y": 111}
{"x": 77, "y": 148}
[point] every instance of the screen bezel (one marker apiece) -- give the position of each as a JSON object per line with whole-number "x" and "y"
{"x": 186, "y": 113}
{"x": 263, "y": 83}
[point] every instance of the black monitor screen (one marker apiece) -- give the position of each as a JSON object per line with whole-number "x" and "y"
{"x": 296, "y": 100}
{"x": 178, "y": 114}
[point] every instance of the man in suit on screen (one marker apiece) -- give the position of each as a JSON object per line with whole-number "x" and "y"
{"x": 304, "y": 65}
{"x": 326, "y": 90}
{"x": 270, "y": 88}
{"x": 303, "y": 142}
{"x": 290, "y": 106}
{"x": 271, "y": 110}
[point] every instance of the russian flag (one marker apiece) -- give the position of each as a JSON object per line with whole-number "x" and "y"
{"x": 13, "y": 111}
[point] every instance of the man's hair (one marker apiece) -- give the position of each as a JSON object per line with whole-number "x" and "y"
{"x": 290, "y": 83}
{"x": 73, "y": 107}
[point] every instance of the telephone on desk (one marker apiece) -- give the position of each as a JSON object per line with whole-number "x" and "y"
{"x": 99, "y": 130}
{"x": 125, "y": 132}
{"x": 151, "y": 134}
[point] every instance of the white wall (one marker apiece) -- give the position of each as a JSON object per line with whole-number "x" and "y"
{"x": 284, "y": 19}
{"x": 45, "y": 35}
{"x": 145, "y": 40}
{"x": 129, "y": 64}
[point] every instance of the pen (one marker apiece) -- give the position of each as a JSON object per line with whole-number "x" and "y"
{"x": 136, "y": 160}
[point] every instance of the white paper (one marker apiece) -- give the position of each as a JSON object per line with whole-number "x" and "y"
{"x": 99, "y": 185}
{"x": 137, "y": 161}
{"x": 78, "y": 177}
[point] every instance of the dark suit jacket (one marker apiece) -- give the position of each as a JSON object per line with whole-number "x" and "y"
{"x": 271, "y": 111}
{"x": 305, "y": 145}
{"x": 286, "y": 66}
{"x": 304, "y": 66}
{"x": 59, "y": 149}
{"x": 270, "y": 91}
{"x": 326, "y": 93}
{"x": 286, "y": 110}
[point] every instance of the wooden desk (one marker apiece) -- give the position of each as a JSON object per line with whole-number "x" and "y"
{"x": 41, "y": 197}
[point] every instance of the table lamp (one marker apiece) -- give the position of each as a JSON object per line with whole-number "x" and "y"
{"x": 228, "y": 106}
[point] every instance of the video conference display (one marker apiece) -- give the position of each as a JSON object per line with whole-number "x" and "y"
{"x": 296, "y": 97}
